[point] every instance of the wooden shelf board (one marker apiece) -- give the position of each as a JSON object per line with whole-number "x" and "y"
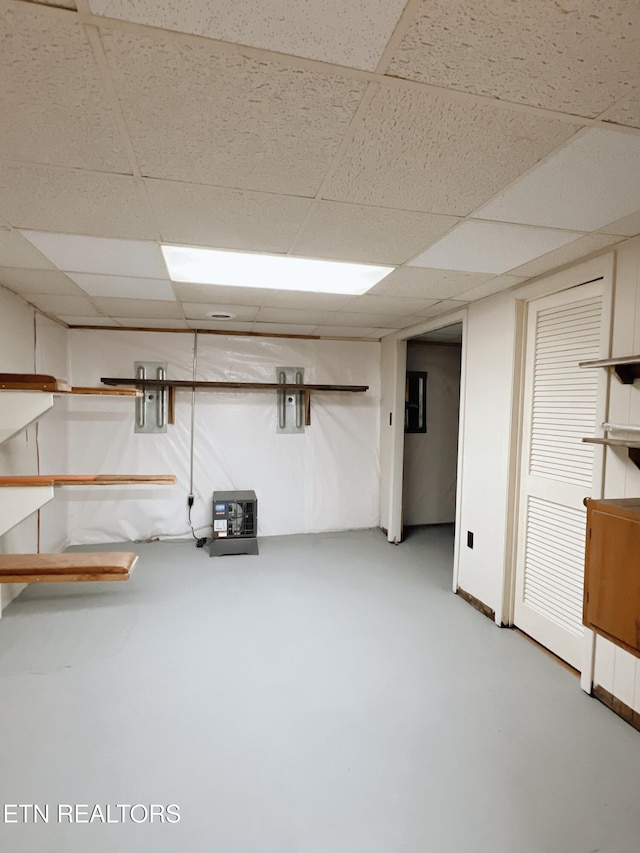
{"x": 87, "y": 479}
{"x": 33, "y": 382}
{"x": 106, "y": 392}
{"x": 612, "y": 442}
{"x": 633, "y": 447}
{"x": 60, "y": 568}
{"x": 627, "y": 368}
{"x": 229, "y": 386}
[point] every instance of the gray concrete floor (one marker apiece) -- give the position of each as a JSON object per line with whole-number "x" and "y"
{"x": 328, "y": 696}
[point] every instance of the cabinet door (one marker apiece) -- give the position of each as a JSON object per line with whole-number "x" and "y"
{"x": 612, "y": 593}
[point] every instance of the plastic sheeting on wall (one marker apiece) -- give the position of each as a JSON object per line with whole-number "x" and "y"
{"x": 325, "y": 479}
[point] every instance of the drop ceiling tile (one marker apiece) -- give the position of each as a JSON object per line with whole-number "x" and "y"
{"x": 393, "y": 305}
{"x": 445, "y": 307}
{"x": 199, "y": 310}
{"x": 354, "y": 35}
{"x": 284, "y": 328}
{"x": 200, "y": 112}
{"x": 304, "y": 317}
{"x": 147, "y": 323}
{"x": 52, "y": 99}
{"x": 38, "y": 281}
{"x": 626, "y": 112}
{"x": 380, "y": 333}
{"x": 61, "y": 4}
{"x": 301, "y": 299}
{"x": 353, "y": 232}
{"x": 218, "y": 293}
{"x": 16, "y": 252}
{"x": 347, "y": 332}
{"x": 72, "y": 320}
{"x": 104, "y": 256}
{"x": 124, "y": 287}
{"x": 491, "y": 247}
{"x": 151, "y": 309}
{"x": 594, "y": 179}
{"x": 494, "y": 285}
{"x": 628, "y": 226}
{"x": 224, "y": 218}
{"x": 566, "y": 254}
{"x": 417, "y": 150}
{"x": 220, "y": 325}
{"x": 576, "y": 58}
{"x": 64, "y": 305}
{"x": 50, "y": 198}
{"x": 373, "y": 320}
{"x": 431, "y": 284}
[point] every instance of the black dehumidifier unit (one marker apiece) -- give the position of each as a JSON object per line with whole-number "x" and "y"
{"x": 235, "y": 524}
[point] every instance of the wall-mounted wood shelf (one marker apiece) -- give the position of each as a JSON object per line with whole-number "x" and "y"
{"x": 86, "y": 480}
{"x": 63, "y": 568}
{"x": 53, "y": 385}
{"x": 627, "y": 368}
{"x": 197, "y": 385}
{"x": 33, "y": 382}
{"x": 633, "y": 447}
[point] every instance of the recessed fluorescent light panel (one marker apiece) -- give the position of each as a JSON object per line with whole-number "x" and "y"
{"x": 280, "y": 272}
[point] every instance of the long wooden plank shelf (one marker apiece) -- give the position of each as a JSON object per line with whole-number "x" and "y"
{"x": 633, "y": 447}
{"x": 53, "y": 385}
{"x": 61, "y": 568}
{"x": 33, "y": 382}
{"x": 229, "y": 386}
{"x": 627, "y": 368}
{"x": 87, "y": 479}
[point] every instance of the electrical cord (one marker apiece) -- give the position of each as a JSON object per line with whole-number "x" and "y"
{"x": 201, "y": 541}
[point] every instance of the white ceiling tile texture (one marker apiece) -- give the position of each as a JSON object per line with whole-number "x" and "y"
{"x": 628, "y": 226}
{"x": 219, "y": 293}
{"x": 52, "y": 102}
{"x": 626, "y": 112}
{"x": 566, "y": 254}
{"x": 351, "y": 232}
{"x": 423, "y": 283}
{"x": 62, "y": 305}
{"x": 224, "y": 218}
{"x": 74, "y": 320}
{"x": 578, "y": 57}
{"x": 494, "y": 285}
{"x": 125, "y": 287}
{"x": 416, "y": 150}
{"x": 15, "y": 251}
{"x": 200, "y": 310}
{"x": 354, "y": 34}
{"x": 593, "y": 180}
{"x": 151, "y": 308}
{"x": 201, "y": 113}
{"x": 104, "y": 256}
{"x": 51, "y": 198}
{"x": 491, "y": 247}
{"x": 27, "y": 281}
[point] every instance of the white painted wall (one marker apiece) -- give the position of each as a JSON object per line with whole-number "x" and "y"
{"x": 484, "y": 469}
{"x": 326, "y": 479}
{"x": 616, "y": 670}
{"x": 430, "y": 459}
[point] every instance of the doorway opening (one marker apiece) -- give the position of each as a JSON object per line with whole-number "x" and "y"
{"x": 430, "y": 457}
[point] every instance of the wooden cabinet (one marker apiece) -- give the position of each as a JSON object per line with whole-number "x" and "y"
{"x": 612, "y": 571}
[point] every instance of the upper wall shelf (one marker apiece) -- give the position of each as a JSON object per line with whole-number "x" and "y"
{"x": 86, "y": 479}
{"x": 627, "y": 369}
{"x": 229, "y": 386}
{"x": 53, "y": 385}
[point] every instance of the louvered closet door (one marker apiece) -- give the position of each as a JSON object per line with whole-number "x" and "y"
{"x": 561, "y": 405}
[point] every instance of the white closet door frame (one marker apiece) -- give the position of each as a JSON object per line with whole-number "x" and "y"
{"x": 600, "y": 268}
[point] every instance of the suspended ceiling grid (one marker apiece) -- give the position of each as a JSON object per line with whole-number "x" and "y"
{"x": 472, "y": 146}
